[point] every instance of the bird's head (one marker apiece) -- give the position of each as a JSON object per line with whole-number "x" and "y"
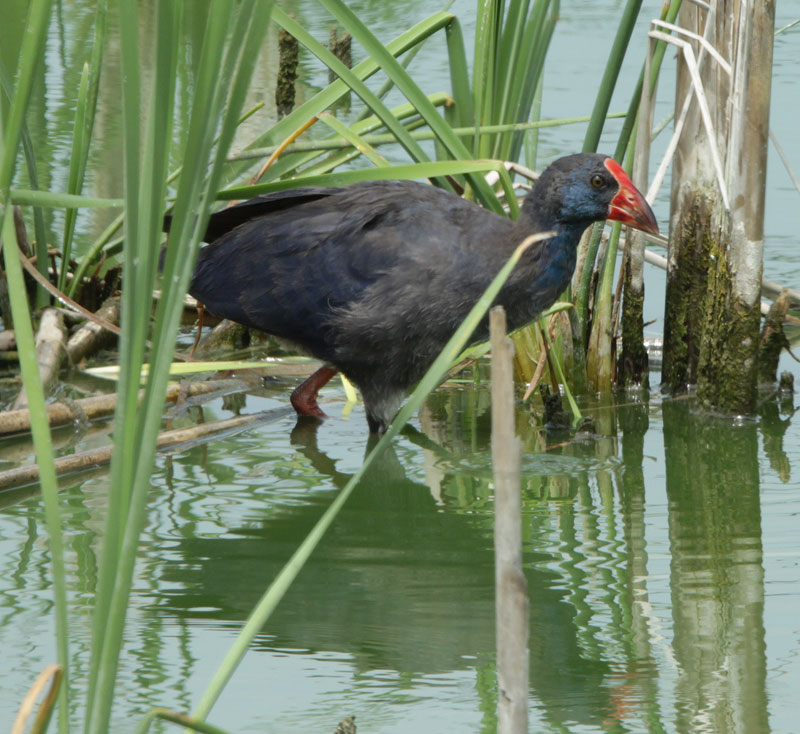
{"x": 589, "y": 187}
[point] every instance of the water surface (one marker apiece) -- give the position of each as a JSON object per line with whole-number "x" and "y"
{"x": 661, "y": 551}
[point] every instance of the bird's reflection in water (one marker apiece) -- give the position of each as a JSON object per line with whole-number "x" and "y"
{"x": 417, "y": 581}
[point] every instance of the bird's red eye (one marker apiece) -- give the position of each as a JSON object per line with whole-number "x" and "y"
{"x": 598, "y": 181}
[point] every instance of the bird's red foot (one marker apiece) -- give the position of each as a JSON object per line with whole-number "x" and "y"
{"x": 304, "y": 396}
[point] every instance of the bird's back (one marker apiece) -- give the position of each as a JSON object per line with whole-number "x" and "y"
{"x": 296, "y": 263}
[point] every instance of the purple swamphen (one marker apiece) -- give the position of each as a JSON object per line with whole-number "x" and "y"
{"x": 374, "y": 278}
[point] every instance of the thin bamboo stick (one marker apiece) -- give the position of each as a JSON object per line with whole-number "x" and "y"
{"x": 511, "y": 600}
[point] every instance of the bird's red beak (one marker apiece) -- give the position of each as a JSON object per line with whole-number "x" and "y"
{"x": 629, "y": 206}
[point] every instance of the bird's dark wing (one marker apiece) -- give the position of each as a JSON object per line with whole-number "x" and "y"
{"x": 223, "y": 221}
{"x": 310, "y": 253}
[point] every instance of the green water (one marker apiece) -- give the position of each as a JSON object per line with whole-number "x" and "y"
{"x": 661, "y": 565}
{"x": 662, "y": 553}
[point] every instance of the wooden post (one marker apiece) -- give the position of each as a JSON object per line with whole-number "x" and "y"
{"x": 511, "y": 600}
{"x": 288, "y": 49}
{"x": 340, "y": 47}
{"x": 714, "y": 279}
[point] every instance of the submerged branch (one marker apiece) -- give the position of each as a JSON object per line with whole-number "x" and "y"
{"x": 101, "y": 406}
{"x": 167, "y": 439}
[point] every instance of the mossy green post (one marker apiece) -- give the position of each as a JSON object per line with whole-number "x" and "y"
{"x": 288, "y": 52}
{"x": 633, "y": 362}
{"x": 686, "y": 292}
{"x": 712, "y": 310}
{"x": 728, "y": 360}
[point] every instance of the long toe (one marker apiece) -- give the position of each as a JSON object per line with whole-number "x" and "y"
{"x": 306, "y": 404}
{"x": 304, "y": 396}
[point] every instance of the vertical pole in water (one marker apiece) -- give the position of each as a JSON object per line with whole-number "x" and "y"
{"x": 511, "y": 600}
{"x": 288, "y": 49}
{"x": 712, "y": 310}
{"x": 727, "y": 369}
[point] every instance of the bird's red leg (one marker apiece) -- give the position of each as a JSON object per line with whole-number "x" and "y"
{"x": 304, "y": 397}
{"x": 201, "y": 311}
